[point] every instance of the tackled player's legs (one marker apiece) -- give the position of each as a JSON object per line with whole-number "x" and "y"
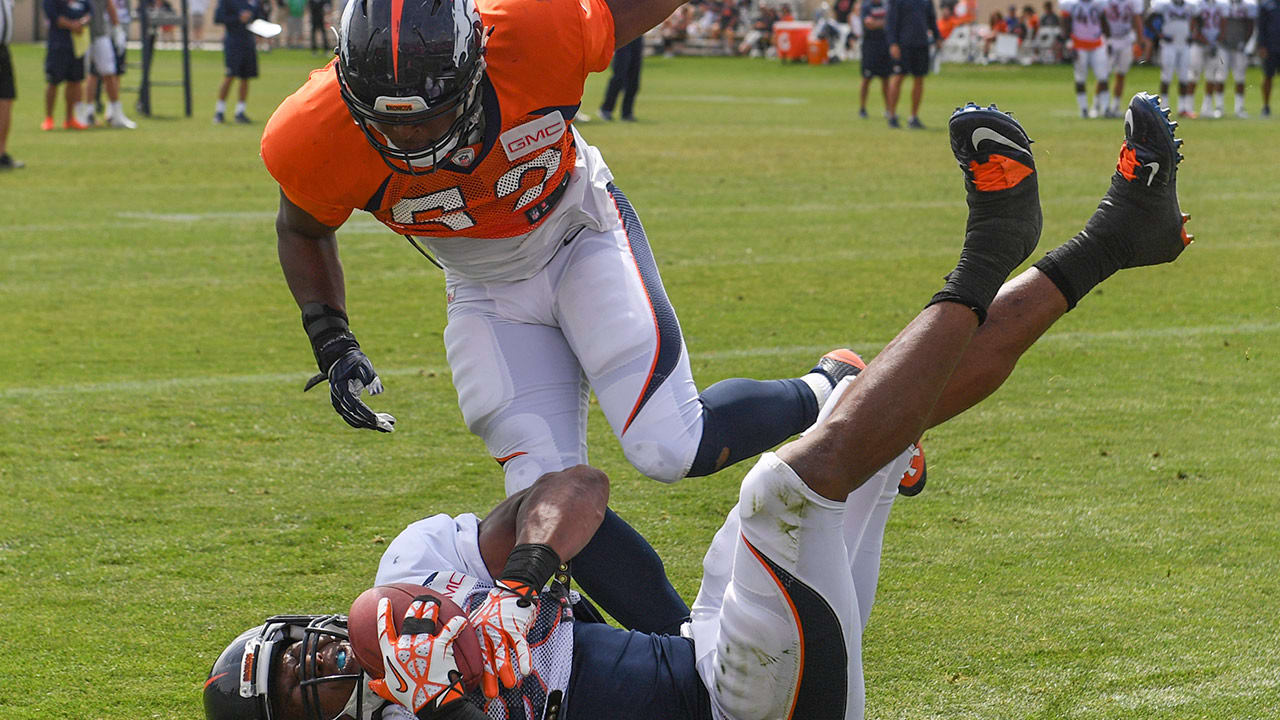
{"x": 938, "y": 366}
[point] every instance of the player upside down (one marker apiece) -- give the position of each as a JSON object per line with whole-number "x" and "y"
{"x": 789, "y": 578}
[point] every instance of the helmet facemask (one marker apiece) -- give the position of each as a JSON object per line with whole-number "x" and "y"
{"x": 409, "y": 62}
{"x": 242, "y": 683}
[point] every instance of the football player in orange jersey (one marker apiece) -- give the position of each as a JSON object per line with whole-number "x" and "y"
{"x": 451, "y": 122}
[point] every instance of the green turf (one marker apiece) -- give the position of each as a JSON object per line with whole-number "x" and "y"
{"x": 1098, "y": 540}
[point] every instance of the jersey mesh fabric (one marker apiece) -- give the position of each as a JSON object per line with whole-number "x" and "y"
{"x": 550, "y": 645}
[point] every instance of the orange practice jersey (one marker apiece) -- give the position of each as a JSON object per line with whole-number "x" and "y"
{"x": 538, "y": 57}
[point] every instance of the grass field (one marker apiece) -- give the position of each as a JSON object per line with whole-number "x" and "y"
{"x": 1098, "y": 540}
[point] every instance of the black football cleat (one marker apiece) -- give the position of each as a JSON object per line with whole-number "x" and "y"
{"x": 840, "y": 364}
{"x": 1139, "y": 218}
{"x": 999, "y": 173}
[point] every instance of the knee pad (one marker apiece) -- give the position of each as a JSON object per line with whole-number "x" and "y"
{"x": 665, "y": 459}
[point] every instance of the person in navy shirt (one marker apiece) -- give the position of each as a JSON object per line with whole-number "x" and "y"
{"x": 875, "y": 53}
{"x": 239, "y": 51}
{"x": 911, "y": 26}
{"x": 1268, "y": 47}
{"x": 61, "y": 64}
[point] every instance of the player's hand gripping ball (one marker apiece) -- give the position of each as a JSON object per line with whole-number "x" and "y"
{"x": 364, "y": 628}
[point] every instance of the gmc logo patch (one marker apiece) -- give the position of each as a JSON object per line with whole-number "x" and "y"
{"x": 533, "y": 135}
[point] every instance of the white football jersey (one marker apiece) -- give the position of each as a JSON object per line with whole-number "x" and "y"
{"x": 1120, "y": 15}
{"x": 1086, "y": 19}
{"x": 1177, "y": 19}
{"x": 1211, "y": 14}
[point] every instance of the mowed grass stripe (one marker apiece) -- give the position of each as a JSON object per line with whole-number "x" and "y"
{"x": 162, "y": 385}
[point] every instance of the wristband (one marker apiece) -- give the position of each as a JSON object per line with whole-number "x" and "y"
{"x": 532, "y": 564}
{"x": 330, "y": 336}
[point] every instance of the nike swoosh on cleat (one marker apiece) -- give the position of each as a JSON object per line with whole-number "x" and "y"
{"x": 1155, "y": 168}
{"x": 985, "y": 133}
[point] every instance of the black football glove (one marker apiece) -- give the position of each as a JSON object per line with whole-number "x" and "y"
{"x": 345, "y": 366}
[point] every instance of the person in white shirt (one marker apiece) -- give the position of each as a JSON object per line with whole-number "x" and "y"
{"x": 1175, "y": 51}
{"x": 1206, "y": 60}
{"x": 1124, "y": 26}
{"x": 1237, "y": 27}
{"x": 1085, "y": 20}
{"x": 108, "y": 36}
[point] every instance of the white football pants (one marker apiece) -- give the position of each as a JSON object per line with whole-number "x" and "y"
{"x": 1121, "y": 52}
{"x": 1175, "y": 58}
{"x": 525, "y": 353}
{"x": 1094, "y": 59}
{"x": 787, "y": 589}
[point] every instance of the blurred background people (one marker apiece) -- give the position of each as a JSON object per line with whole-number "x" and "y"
{"x": 8, "y": 89}
{"x": 1049, "y": 18}
{"x": 105, "y": 32}
{"x": 1083, "y": 21}
{"x": 1175, "y": 52}
{"x": 876, "y": 62}
{"x": 1237, "y": 27}
{"x": 1268, "y": 47}
{"x": 842, "y": 12}
{"x": 911, "y": 27}
{"x": 67, "y": 43}
{"x": 1030, "y": 21}
{"x": 318, "y": 10}
{"x": 757, "y": 40}
{"x": 239, "y": 52}
{"x": 625, "y": 79}
{"x": 1124, "y": 28}
{"x": 1205, "y": 60}
{"x": 197, "y": 11}
{"x": 295, "y": 12}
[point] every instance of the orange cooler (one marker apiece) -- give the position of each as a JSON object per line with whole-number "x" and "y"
{"x": 791, "y": 38}
{"x": 818, "y": 48}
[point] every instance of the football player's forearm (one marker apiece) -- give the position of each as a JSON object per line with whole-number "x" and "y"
{"x": 563, "y": 510}
{"x": 886, "y": 409}
{"x": 1023, "y": 310}
{"x": 312, "y": 268}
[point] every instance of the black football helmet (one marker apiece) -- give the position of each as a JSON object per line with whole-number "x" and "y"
{"x": 405, "y": 62}
{"x": 239, "y": 684}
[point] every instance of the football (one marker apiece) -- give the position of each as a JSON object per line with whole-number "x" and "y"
{"x": 362, "y": 629}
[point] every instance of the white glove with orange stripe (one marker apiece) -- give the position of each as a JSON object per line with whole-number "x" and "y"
{"x": 420, "y": 671}
{"x": 502, "y": 622}
{"x": 508, "y": 612}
